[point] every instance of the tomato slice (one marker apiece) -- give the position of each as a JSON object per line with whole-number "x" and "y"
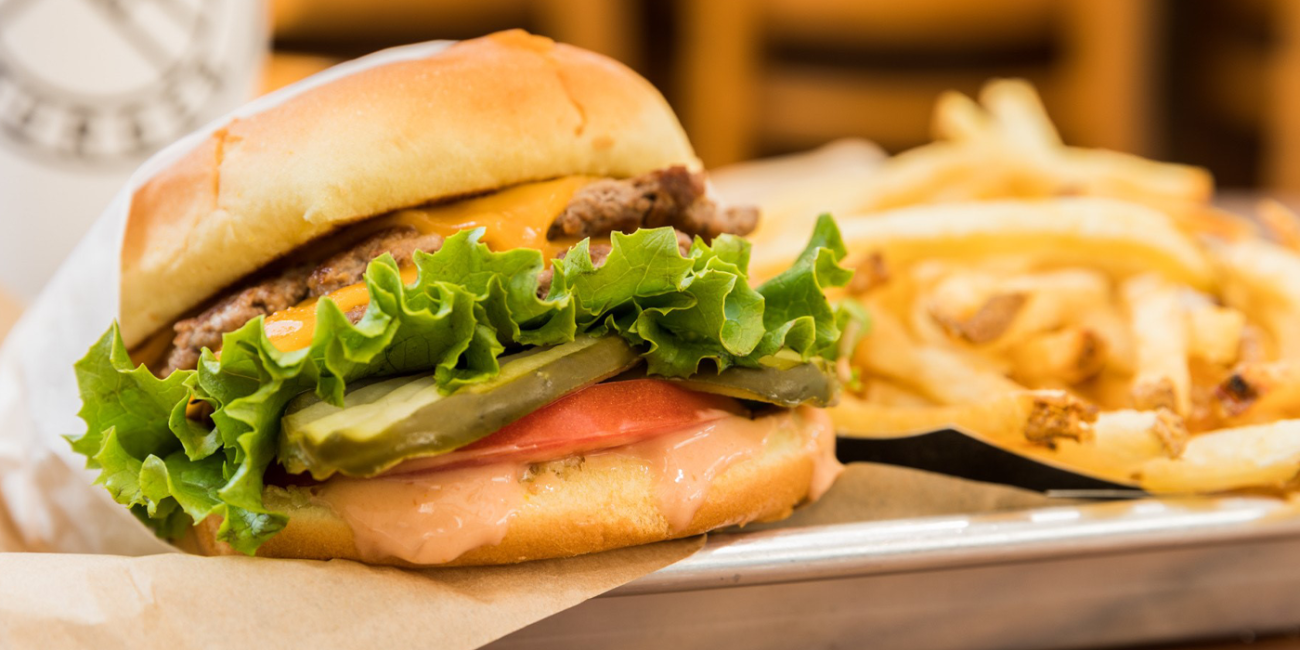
{"x": 596, "y": 417}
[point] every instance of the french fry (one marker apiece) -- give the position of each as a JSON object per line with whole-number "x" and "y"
{"x": 1280, "y": 223}
{"x": 1109, "y": 389}
{"x": 1160, "y": 339}
{"x": 1098, "y": 172}
{"x": 1056, "y": 299}
{"x": 944, "y": 376}
{"x": 1112, "y": 328}
{"x": 946, "y": 172}
{"x": 1020, "y": 116}
{"x": 886, "y": 393}
{"x": 1208, "y": 410}
{"x": 1016, "y": 121}
{"x": 1214, "y": 333}
{"x": 1059, "y": 359}
{"x": 959, "y": 119}
{"x": 1255, "y": 344}
{"x": 988, "y": 322}
{"x": 982, "y": 307}
{"x": 1193, "y": 216}
{"x": 1260, "y": 392}
{"x": 1056, "y": 416}
{"x": 1260, "y": 456}
{"x": 946, "y": 295}
{"x": 1171, "y": 431}
{"x": 1259, "y": 279}
{"x": 869, "y": 273}
{"x": 1123, "y": 441}
{"x": 1021, "y": 419}
{"x": 1111, "y": 236}
{"x": 999, "y": 418}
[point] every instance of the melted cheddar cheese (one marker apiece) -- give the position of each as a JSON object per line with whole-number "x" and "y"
{"x": 514, "y": 218}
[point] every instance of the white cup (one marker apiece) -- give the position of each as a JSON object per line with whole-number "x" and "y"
{"x": 90, "y": 88}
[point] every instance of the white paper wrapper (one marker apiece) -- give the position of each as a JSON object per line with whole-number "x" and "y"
{"x": 43, "y": 484}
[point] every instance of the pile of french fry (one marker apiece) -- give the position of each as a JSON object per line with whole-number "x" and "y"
{"x": 1086, "y": 308}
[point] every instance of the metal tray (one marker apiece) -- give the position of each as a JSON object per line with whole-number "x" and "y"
{"x": 1151, "y": 570}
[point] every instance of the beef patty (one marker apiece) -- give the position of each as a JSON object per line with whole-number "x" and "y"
{"x": 667, "y": 197}
{"x": 288, "y": 288}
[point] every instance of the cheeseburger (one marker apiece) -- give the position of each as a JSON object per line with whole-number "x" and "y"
{"x": 477, "y": 308}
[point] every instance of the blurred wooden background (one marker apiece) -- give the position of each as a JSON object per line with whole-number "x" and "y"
{"x": 1208, "y": 82}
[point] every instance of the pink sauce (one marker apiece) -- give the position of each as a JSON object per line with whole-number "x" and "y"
{"x": 821, "y": 448}
{"x": 434, "y": 516}
{"x": 683, "y": 464}
{"x": 431, "y": 518}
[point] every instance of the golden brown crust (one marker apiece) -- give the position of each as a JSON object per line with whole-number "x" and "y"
{"x": 484, "y": 114}
{"x": 600, "y": 505}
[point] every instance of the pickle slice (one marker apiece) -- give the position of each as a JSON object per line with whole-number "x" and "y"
{"x": 805, "y": 383}
{"x": 781, "y": 379}
{"x": 386, "y": 422}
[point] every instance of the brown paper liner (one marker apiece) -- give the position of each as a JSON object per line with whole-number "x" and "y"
{"x": 184, "y": 601}
{"x": 178, "y": 601}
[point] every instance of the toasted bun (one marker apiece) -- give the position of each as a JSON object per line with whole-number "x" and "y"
{"x": 481, "y": 115}
{"x": 590, "y": 507}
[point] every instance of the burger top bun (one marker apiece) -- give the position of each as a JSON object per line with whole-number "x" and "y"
{"x": 481, "y": 115}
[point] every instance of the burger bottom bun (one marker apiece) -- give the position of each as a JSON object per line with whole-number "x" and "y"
{"x": 591, "y": 504}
